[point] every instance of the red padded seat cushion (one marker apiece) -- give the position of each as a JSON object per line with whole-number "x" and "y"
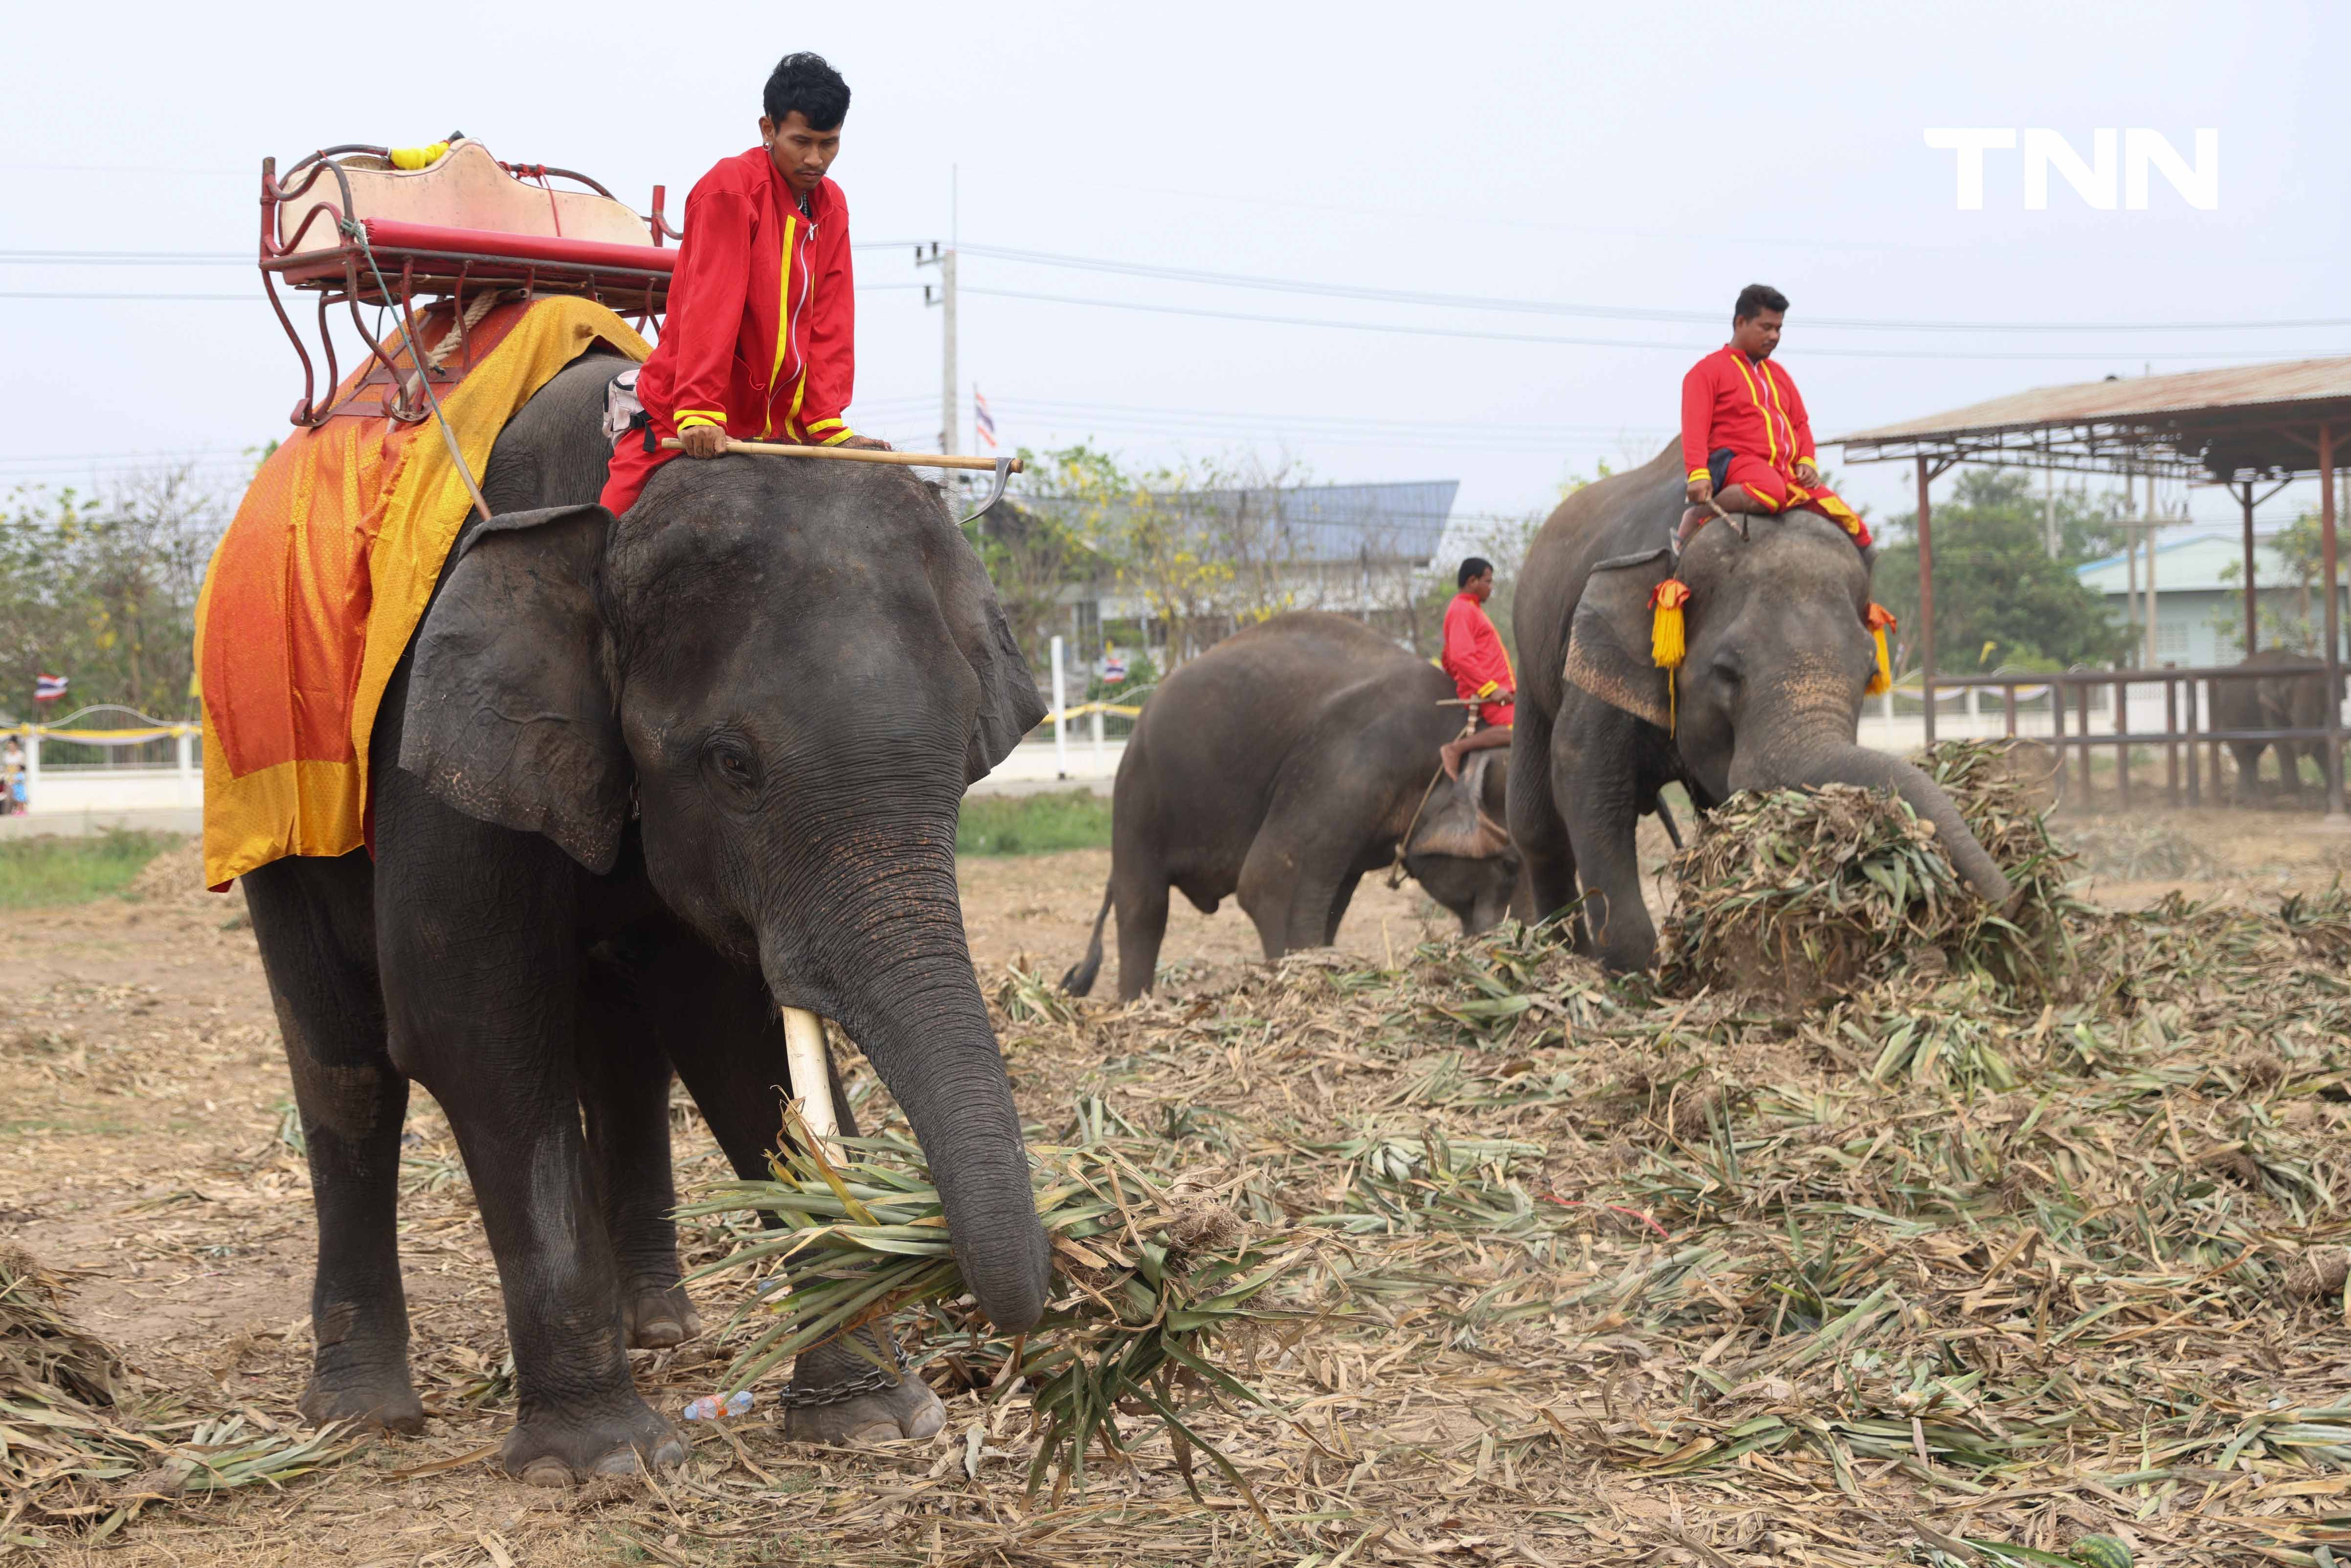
{"x": 387, "y": 233}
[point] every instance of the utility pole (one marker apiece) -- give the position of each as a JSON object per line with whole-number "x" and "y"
{"x": 943, "y": 258}
{"x": 2154, "y": 602}
{"x": 2049, "y": 510}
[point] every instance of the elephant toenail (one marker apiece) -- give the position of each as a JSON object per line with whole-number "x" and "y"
{"x": 928, "y": 1421}
{"x": 547, "y": 1472}
{"x": 670, "y": 1453}
{"x": 874, "y": 1432}
{"x": 619, "y": 1462}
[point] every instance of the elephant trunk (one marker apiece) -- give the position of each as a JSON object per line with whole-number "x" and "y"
{"x": 1845, "y": 763}
{"x": 902, "y": 985}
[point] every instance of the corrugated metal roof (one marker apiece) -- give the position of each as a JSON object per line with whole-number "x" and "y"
{"x": 2149, "y": 400}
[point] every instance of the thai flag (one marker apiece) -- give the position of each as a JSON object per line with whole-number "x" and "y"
{"x": 982, "y": 421}
{"x": 49, "y": 688}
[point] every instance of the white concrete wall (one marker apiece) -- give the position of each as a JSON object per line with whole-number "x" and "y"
{"x": 75, "y": 791}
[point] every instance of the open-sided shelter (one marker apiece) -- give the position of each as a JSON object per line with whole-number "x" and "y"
{"x": 2252, "y": 428}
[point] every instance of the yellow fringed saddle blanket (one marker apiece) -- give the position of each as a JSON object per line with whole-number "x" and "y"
{"x": 321, "y": 579}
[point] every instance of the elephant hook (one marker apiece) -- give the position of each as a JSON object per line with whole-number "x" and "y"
{"x": 995, "y": 490}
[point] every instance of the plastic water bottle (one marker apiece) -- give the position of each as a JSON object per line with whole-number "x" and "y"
{"x": 710, "y": 1407}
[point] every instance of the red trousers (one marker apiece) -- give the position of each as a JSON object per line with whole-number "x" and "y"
{"x": 1779, "y": 491}
{"x": 632, "y": 465}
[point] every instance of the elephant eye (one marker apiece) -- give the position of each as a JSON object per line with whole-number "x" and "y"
{"x": 733, "y": 762}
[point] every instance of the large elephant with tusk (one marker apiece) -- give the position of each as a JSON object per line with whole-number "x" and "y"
{"x": 1778, "y": 654}
{"x": 640, "y": 785}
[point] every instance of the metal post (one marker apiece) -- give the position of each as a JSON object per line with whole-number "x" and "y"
{"x": 2171, "y": 748}
{"x": 2334, "y": 623}
{"x": 2122, "y": 746}
{"x": 1061, "y": 720}
{"x": 2057, "y": 732}
{"x": 1926, "y": 601}
{"x": 2131, "y": 612}
{"x": 2081, "y": 734}
{"x": 2007, "y": 711}
{"x": 2154, "y": 600}
{"x": 1100, "y": 767}
{"x": 2194, "y": 760}
{"x": 2252, "y": 617}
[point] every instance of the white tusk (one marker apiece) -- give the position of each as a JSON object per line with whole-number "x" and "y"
{"x": 804, "y": 1059}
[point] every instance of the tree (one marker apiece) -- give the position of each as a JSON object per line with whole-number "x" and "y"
{"x": 2301, "y": 548}
{"x": 2000, "y": 599}
{"x": 103, "y": 590}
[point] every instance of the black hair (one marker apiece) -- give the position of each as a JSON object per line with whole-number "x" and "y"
{"x": 1756, "y": 298}
{"x": 805, "y": 82}
{"x": 1476, "y": 566}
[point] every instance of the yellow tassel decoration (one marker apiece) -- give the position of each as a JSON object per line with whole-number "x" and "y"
{"x": 1880, "y": 620}
{"x": 419, "y": 157}
{"x": 1667, "y": 646}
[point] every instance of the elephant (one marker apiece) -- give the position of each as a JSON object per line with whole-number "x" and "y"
{"x": 1283, "y": 764}
{"x": 1768, "y": 695}
{"x": 2295, "y": 700}
{"x": 637, "y": 784}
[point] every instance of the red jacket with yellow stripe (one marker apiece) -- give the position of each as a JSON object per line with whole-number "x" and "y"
{"x": 1729, "y": 399}
{"x": 761, "y": 329}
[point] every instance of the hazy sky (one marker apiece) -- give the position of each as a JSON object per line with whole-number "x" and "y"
{"x": 1649, "y": 157}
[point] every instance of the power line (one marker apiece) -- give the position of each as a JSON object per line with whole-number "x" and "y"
{"x": 34, "y": 257}
{"x": 1310, "y": 287}
{"x": 257, "y": 297}
{"x": 1599, "y": 312}
{"x": 1809, "y": 353}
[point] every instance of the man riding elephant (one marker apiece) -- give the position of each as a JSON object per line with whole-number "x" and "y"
{"x": 1747, "y": 440}
{"x": 760, "y": 340}
{"x": 1741, "y": 665}
{"x": 1474, "y": 656}
{"x": 1283, "y": 765}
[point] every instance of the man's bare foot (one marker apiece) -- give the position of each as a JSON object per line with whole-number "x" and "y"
{"x": 1449, "y": 754}
{"x": 1693, "y": 519}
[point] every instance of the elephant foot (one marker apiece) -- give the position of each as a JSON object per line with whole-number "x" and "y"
{"x": 885, "y": 1416}
{"x": 552, "y": 1448}
{"x": 658, "y": 1317}
{"x": 383, "y": 1401}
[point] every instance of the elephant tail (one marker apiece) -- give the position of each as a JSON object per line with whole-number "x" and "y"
{"x": 1080, "y": 980}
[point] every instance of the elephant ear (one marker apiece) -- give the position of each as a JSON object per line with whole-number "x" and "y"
{"x": 1608, "y": 641}
{"x": 511, "y": 716}
{"x": 1459, "y": 817}
{"x": 1009, "y": 706}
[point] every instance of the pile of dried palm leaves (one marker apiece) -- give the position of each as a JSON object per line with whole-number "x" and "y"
{"x": 1154, "y": 1271}
{"x": 1803, "y": 894}
{"x": 1939, "y": 1266}
{"x": 83, "y": 1444}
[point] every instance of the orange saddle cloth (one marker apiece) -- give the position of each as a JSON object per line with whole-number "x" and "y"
{"x": 319, "y": 584}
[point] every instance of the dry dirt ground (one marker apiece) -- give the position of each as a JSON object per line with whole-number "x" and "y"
{"x": 147, "y": 1153}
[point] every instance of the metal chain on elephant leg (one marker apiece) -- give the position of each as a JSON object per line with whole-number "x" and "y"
{"x": 875, "y": 1379}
